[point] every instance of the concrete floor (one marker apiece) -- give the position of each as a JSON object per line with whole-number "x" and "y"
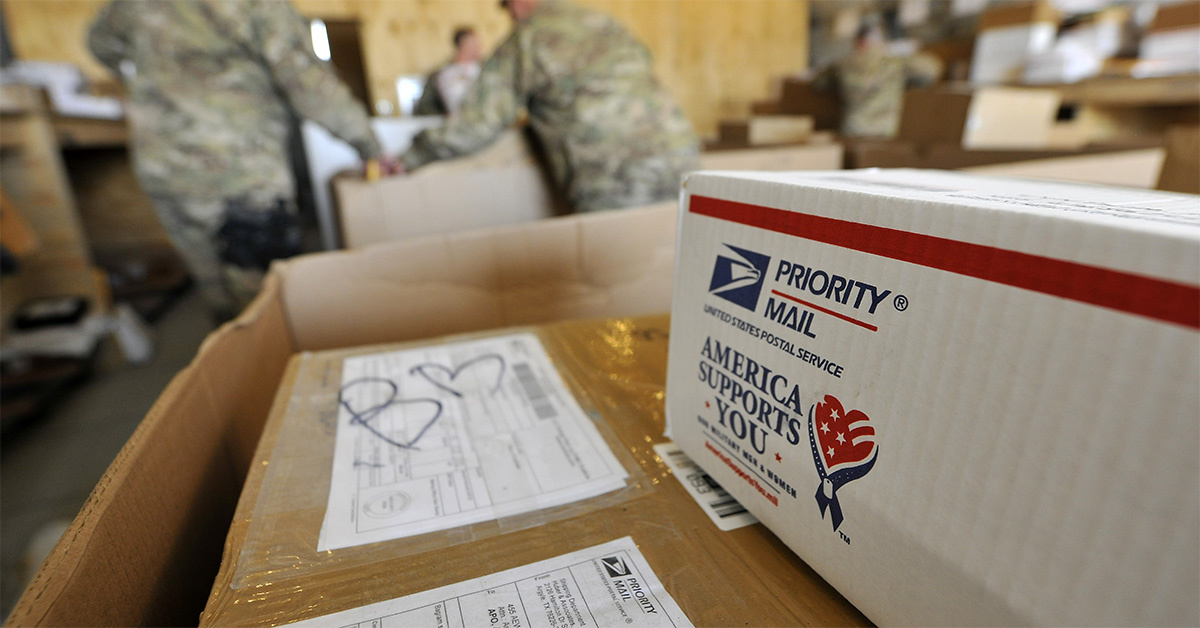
{"x": 48, "y": 468}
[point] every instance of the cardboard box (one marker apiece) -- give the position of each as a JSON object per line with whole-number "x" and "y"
{"x": 327, "y": 155}
{"x": 1079, "y": 52}
{"x": 616, "y": 367}
{"x": 993, "y": 117}
{"x": 1009, "y": 34}
{"x": 1130, "y": 168}
{"x": 762, "y": 130}
{"x": 765, "y": 108}
{"x": 961, "y": 399}
{"x": 1169, "y": 43}
{"x": 1181, "y": 166}
{"x": 1169, "y": 17}
{"x": 903, "y": 154}
{"x": 146, "y": 546}
{"x": 441, "y": 201}
{"x": 815, "y": 156}
{"x": 1134, "y": 92}
{"x": 448, "y": 197}
{"x": 798, "y": 97}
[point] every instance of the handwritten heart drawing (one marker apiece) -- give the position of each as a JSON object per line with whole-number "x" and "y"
{"x": 843, "y": 449}
{"x": 365, "y": 416}
{"x": 481, "y": 373}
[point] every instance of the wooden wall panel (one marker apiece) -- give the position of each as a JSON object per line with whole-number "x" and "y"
{"x": 717, "y": 56}
{"x": 53, "y": 31}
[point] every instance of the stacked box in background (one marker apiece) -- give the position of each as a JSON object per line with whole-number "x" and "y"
{"x": 766, "y": 129}
{"x": 962, "y": 400}
{"x": 1170, "y": 44}
{"x": 1009, "y": 34}
{"x": 983, "y": 118}
{"x": 446, "y": 197}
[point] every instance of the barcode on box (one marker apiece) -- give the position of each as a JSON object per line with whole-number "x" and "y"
{"x": 542, "y": 406}
{"x": 720, "y": 506}
{"x": 726, "y": 507}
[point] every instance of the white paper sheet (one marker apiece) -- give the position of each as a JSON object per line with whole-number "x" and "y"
{"x": 720, "y": 506}
{"x": 606, "y": 585}
{"x": 448, "y": 435}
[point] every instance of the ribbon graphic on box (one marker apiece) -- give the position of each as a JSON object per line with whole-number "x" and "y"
{"x": 843, "y": 449}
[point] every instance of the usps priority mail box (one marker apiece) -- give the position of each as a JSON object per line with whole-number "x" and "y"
{"x": 962, "y": 400}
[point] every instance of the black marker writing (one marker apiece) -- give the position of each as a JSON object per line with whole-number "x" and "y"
{"x": 365, "y": 417}
{"x": 452, "y": 374}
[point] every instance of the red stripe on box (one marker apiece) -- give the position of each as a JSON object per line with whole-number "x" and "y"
{"x": 1125, "y": 292}
{"x": 827, "y": 311}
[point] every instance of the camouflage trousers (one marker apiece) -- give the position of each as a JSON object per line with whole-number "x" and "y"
{"x": 632, "y": 183}
{"x": 193, "y": 226}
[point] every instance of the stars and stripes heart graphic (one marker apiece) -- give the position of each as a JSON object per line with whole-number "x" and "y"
{"x": 846, "y": 438}
{"x": 843, "y": 448}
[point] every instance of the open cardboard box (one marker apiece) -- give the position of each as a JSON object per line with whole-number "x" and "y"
{"x": 147, "y": 544}
{"x": 447, "y": 196}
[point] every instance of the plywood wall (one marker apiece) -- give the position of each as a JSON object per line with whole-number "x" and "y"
{"x": 717, "y": 56}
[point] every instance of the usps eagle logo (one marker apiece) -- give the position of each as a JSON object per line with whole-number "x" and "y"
{"x": 843, "y": 449}
{"x": 738, "y": 277}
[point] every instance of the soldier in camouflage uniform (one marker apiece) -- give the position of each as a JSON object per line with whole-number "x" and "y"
{"x": 613, "y": 136}
{"x": 872, "y": 84}
{"x": 213, "y": 87}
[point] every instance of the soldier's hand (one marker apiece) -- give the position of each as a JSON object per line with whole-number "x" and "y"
{"x": 372, "y": 169}
{"x": 384, "y": 166}
{"x": 391, "y": 166}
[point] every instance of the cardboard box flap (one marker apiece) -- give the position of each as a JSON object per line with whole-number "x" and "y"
{"x": 148, "y": 541}
{"x": 1130, "y": 168}
{"x": 436, "y": 285}
{"x": 810, "y": 157}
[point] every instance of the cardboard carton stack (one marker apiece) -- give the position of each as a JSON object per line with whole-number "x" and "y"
{"x": 1008, "y": 35}
{"x": 1080, "y": 52}
{"x": 1169, "y": 43}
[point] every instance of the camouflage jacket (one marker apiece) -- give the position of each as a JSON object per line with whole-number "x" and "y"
{"x": 213, "y": 86}
{"x": 602, "y": 118}
{"x": 430, "y": 102}
{"x": 872, "y": 86}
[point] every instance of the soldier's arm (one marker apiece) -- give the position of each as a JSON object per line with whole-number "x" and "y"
{"x": 922, "y": 69}
{"x": 108, "y": 38}
{"x": 430, "y": 102}
{"x": 310, "y": 85}
{"x": 490, "y": 107}
{"x": 826, "y": 80}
